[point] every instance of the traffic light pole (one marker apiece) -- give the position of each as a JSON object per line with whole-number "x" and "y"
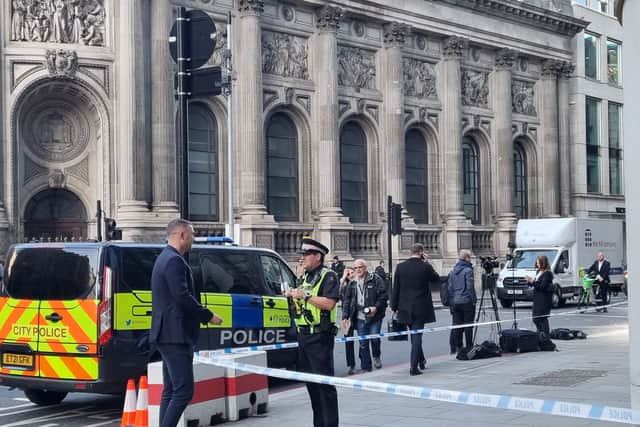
{"x": 183, "y": 97}
{"x": 389, "y": 254}
{"x": 230, "y": 151}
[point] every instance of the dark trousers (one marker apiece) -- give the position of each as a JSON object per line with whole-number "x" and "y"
{"x": 462, "y": 314}
{"x": 366, "y": 328}
{"x": 315, "y": 355}
{"x": 417, "y": 355}
{"x": 177, "y": 379}
{"x": 603, "y": 289}
{"x": 542, "y": 324}
{"x": 350, "y": 348}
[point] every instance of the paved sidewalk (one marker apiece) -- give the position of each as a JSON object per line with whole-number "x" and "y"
{"x": 592, "y": 371}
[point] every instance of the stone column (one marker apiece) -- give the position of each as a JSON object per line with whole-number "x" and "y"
{"x": 392, "y": 86}
{"x": 564, "y": 140}
{"x": 164, "y": 142}
{"x": 248, "y": 101}
{"x": 503, "y": 149}
{"x": 550, "y": 167}
{"x": 5, "y": 171}
{"x": 131, "y": 136}
{"x": 325, "y": 119}
{"x": 449, "y": 91}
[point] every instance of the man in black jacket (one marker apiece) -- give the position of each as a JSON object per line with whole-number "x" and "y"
{"x": 462, "y": 300}
{"x": 600, "y": 268}
{"x": 364, "y": 305}
{"x": 411, "y": 299}
{"x": 175, "y": 321}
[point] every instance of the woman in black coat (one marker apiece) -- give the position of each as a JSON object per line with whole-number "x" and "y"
{"x": 542, "y": 293}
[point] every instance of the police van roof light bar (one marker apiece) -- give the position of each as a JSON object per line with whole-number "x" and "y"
{"x": 215, "y": 240}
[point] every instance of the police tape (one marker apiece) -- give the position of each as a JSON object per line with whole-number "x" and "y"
{"x": 280, "y": 346}
{"x": 515, "y": 403}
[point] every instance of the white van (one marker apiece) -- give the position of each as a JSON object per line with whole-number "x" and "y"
{"x": 571, "y": 245}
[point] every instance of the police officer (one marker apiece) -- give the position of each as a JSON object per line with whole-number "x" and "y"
{"x": 315, "y": 300}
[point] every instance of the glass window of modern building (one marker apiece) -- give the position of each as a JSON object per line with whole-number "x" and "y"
{"x": 593, "y": 154}
{"x": 615, "y": 148}
{"x": 613, "y": 62}
{"x": 591, "y": 55}
{"x": 471, "y": 180}
{"x": 353, "y": 173}
{"x": 203, "y": 164}
{"x": 416, "y": 176}
{"x": 282, "y": 168}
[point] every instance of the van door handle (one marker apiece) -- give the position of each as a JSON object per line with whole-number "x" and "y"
{"x": 54, "y": 317}
{"x": 271, "y": 303}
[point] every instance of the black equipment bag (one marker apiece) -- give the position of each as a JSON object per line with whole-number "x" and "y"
{"x": 480, "y": 351}
{"x": 394, "y": 326}
{"x": 519, "y": 341}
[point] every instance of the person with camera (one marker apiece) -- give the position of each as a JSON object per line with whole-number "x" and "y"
{"x": 347, "y": 326}
{"x": 364, "y": 305}
{"x": 462, "y": 297}
{"x": 542, "y": 294}
{"x": 600, "y": 269}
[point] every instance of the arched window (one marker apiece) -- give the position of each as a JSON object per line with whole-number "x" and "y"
{"x": 519, "y": 182}
{"x": 471, "y": 180}
{"x": 416, "y": 176}
{"x": 282, "y": 168}
{"x": 203, "y": 164}
{"x": 353, "y": 172}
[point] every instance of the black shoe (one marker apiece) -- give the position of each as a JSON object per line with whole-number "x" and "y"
{"x": 422, "y": 365}
{"x": 415, "y": 371}
{"x": 604, "y": 310}
{"x": 453, "y": 351}
{"x": 352, "y": 370}
{"x": 366, "y": 369}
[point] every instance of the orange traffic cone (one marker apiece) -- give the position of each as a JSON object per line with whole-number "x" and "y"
{"x": 142, "y": 407}
{"x": 129, "y": 411}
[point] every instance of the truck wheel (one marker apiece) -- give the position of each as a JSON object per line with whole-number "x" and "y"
{"x": 44, "y": 397}
{"x": 555, "y": 299}
{"x": 506, "y": 303}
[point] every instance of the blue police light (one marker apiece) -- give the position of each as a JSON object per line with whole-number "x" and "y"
{"x": 216, "y": 240}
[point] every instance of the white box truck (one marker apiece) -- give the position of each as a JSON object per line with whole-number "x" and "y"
{"x": 571, "y": 245}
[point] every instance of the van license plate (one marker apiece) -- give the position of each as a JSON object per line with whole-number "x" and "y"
{"x": 515, "y": 291}
{"x": 22, "y": 360}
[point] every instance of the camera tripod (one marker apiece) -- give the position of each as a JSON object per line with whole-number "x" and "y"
{"x": 488, "y": 284}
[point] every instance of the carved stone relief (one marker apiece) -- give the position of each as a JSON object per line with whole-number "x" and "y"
{"x": 32, "y": 169}
{"x": 328, "y": 18}
{"x": 251, "y": 6}
{"x": 475, "y": 88}
{"x": 57, "y": 179}
{"x": 80, "y": 170}
{"x": 284, "y": 55}
{"x": 59, "y": 21}
{"x": 522, "y": 98}
{"x": 452, "y": 47}
{"x": 61, "y": 63}
{"x": 268, "y": 97}
{"x": 419, "y": 78}
{"x": 56, "y": 131}
{"x": 288, "y": 13}
{"x": 395, "y": 33}
{"x": 356, "y": 68}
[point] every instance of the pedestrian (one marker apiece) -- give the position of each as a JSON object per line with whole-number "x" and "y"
{"x": 462, "y": 300}
{"x": 337, "y": 266}
{"x": 347, "y": 326}
{"x": 365, "y": 304}
{"x": 600, "y": 268}
{"x": 385, "y": 277}
{"x": 411, "y": 299}
{"x": 315, "y": 300}
{"x": 175, "y": 320}
{"x": 542, "y": 294}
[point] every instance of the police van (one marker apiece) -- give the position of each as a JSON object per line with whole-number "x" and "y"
{"x": 75, "y": 317}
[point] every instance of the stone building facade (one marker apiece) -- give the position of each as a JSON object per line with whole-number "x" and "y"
{"x": 458, "y": 109}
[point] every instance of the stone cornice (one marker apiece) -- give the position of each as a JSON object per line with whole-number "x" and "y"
{"x": 328, "y": 18}
{"x": 394, "y": 33}
{"x": 524, "y": 13}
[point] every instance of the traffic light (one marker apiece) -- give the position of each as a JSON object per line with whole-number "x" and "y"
{"x": 110, "y": 230}
{"x": 395, "y": 222}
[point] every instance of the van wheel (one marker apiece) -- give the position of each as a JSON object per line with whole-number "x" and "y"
{"x": 506, "y": 303}
{"x": 557, "y": 300}
{"x": 44, "y": 397}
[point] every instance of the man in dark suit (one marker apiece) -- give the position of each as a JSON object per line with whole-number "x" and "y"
{"x": 411, "y": 299}
{"x": 600, "y": 268}
{"x": 175, "y": 320}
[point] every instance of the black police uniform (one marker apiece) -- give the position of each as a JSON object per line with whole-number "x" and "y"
{"x": 315, "y": 353}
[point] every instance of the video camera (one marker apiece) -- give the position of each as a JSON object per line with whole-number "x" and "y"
{"x": 489, "y": 263}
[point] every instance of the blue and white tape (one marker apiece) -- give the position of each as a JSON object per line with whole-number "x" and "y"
{"x": 269, "y": 347}
{"x": 515, "y": 403}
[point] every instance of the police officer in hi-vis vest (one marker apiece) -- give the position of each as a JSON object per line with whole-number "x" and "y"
{"x": 315, "y": 302}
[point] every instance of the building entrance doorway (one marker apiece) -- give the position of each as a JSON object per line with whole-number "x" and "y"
{"x": 55, "y": 214}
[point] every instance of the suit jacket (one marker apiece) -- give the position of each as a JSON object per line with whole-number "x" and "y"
{"x": 603, "y": 271}
{"x": 543, "y": 294}
{"x": 176, "y": 313}
{"x": 411, "y": 295}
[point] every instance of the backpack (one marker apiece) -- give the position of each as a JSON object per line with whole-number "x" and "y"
{"x": 444, "y": 292}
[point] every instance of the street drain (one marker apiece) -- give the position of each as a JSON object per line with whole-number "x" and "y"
{"x": 564, "y": 377}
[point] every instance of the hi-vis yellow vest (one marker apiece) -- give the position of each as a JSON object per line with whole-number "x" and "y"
{"x": 315, "y": 311}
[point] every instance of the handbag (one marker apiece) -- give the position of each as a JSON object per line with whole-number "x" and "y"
{"x": 394, "y": 326}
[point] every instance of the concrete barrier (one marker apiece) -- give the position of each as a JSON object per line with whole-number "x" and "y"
{"x": 247, "y": 393}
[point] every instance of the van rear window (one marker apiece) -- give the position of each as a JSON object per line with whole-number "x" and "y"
{"x": 48, "y": 273}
